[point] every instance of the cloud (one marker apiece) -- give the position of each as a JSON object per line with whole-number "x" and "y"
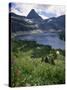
{"x": 56, "y": 9}
{"x": 45, "y": 11}
{"x": 22, "y": 9}
{"x": 44, "y": 17}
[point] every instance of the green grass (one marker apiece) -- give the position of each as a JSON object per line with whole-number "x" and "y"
{"x": 27, "y": 71}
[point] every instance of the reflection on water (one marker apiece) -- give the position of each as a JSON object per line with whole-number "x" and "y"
{"x": 47, "y": 38}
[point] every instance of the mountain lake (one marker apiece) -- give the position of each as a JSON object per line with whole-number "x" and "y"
{"x": 45, "y": 38}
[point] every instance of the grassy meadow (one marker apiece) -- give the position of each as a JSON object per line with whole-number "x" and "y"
{"x": 29, "y": 66}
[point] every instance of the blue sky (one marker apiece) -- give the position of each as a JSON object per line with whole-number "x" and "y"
{"x": 45, "y": 11}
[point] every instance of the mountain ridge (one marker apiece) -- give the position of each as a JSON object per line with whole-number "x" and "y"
{"x": 23, "y": 23}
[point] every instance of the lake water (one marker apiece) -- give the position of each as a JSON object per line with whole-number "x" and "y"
{"x": 45, "y": 38}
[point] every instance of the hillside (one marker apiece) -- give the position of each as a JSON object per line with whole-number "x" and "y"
{"x": 20, "y": 23}
{"x": 57, "y": 23}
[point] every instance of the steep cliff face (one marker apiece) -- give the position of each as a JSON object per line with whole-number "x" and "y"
{"x": 33, "y": 15}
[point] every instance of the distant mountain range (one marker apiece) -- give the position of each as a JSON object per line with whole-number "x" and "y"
{"x": 33, "y": 22}
{"x": 56, "y": 23}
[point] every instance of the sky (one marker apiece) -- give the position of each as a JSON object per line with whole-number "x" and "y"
{"x": 45, "y": 11}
